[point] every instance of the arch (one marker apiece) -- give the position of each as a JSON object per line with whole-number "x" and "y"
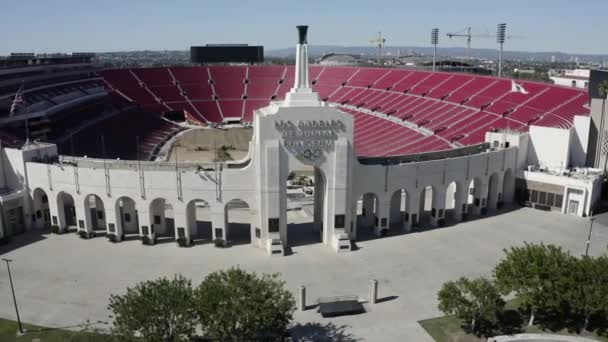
{"x": 508, "y": 186}
{"x": 398, "y": 209}
{"x": 127, "y": 218}
{"x": 66, "y": 212}
{"x": 367, "y": 215}
{"x": 238, "y": 222}
{"x": 95, "y": 214}
{"x": 162, "y": 220}
{"x": 42, "y": 212}
{"x": 198, "y": 218}
{"x": 305, "y": 189}
{"x": 480, "y": 195}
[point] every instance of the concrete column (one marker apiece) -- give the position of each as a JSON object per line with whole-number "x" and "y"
{"x": 495, "y": 191}
{"x": 460, "y": 200}
{"x": 54, "y": 212}
{"x": 412, "y": 210}
{"x": 396, "y": 215}
{"x": 368, "y": 207}
{"x": 112, "y": 222}
{"x": 180, "y": 220}
{"x": 438, "y": 206}
{"x": 218, "y": 222}
{"x": 383, "y": 206}
{"x": 144, "y": 219}
{"x": 157, "y": 208}
{"x": 81, "y": 214}
{"x": 354, "y": 222}
{"x": 319, "y": 193}
{"x": 480, "y": 196}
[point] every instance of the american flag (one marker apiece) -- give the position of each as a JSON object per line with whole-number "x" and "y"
{"x": 17, "y": 101}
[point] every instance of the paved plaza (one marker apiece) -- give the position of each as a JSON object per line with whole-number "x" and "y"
{"x": 62, "y": 280}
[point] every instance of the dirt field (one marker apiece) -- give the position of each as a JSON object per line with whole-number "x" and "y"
{"x": 204, "y": 144}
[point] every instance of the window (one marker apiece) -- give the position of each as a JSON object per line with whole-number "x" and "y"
{"x": 573, "y": 84}
{"x": 45, "y": 199}
{"x": 219, "y": 233}
{"x": 558, "y": 200}
{"x": 339, "y": 221}
{"x": 273, "y": 225}
{"x": 38, "y": 214}
{"x": 112, "y": 227}
{"x": 54, "y": 220}
{"x": 100, "y": 215}
{"x": 550, "y": 198}
{"x": 383, "y": 222}
{"x": 534, "y": 197}
{"x": 542, "y": 197}
{"x": 496, "y": 143}
{"x": 507, "y": 144}
{"x": 258, "y": 233}
{"x": 81, "y": 224}
{"x": 181, "y": 232}
{"x": 156, "y": 219}
{"x": 586, "y": 84}
{"x": 144, "y": 230}
{"x": 127, "y": 217}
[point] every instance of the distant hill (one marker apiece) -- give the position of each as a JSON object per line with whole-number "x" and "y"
{"x": 319, "y": 50}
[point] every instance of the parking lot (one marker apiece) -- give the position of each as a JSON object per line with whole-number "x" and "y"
{"x": 62, "y": 280}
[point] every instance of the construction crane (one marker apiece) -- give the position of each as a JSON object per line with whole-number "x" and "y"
{"x": 467, "y": 34}
{"x": 379, "y": 41}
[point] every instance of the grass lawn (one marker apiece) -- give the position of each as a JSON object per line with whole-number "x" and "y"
{"x": 447, "y": 329}
{"x": 8, "y": 332}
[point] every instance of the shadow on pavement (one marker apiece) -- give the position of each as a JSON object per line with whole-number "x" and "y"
{"x": 321, "y": 332}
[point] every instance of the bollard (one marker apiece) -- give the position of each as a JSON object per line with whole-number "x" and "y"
{"x": 302, "y": 298}
{"x": 373, "y": 291}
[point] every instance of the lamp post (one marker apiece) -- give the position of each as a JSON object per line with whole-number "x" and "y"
{"x": 500, "y": 39}
{"x": 589, "y": 237}
{"x": 434, "y": 41}
{"x": 10, "y": 278}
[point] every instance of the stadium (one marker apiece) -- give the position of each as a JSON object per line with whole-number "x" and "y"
{"x": 246, "y": 153}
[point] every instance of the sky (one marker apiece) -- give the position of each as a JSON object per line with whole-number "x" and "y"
{"x": 574, "y": 26}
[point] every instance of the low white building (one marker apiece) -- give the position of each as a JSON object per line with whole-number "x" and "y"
{"x": 577, "y": 78}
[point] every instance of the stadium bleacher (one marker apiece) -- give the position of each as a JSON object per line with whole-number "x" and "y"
{"x": 456, "y": 109}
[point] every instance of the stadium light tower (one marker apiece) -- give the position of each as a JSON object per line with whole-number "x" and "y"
{"x": 500, "y": 39}
{"x": 434, "y": 41}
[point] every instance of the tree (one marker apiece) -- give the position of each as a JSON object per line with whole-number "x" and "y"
{"x": 236, "y": 305}
{"x": 471, "y": 300}
{"x": 588, "y": 287}
{"x": 157, "y": 310}
{"x": 536, "y": 274}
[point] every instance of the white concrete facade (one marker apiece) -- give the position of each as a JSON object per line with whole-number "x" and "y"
{"x": 576, "y": 78}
